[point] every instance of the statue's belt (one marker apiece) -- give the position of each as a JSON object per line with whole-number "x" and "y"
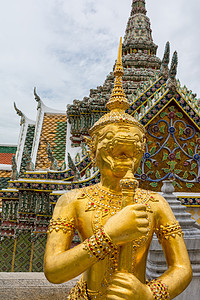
{"x": 80, "y": 292}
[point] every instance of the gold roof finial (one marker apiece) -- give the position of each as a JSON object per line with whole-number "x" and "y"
{"x": 118, "y": 99}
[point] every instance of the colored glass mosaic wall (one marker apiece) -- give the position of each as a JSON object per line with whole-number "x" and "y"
{"x": 4, "y": 178}
{"x": 38, "y": 253}
{"x": 28, "y": 146}
{"x": 24, "y": 253}
{"x": 6, "y": 254}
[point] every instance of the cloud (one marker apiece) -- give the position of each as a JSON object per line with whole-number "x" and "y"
{"x": 65, "y": 48}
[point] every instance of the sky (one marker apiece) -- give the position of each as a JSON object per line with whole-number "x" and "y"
{"x": 64, "y": 48}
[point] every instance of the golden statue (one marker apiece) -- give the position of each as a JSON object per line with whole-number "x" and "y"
{"x": 115, "y": 219}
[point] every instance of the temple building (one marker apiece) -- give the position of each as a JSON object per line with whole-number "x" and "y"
{"x": 52, "y": 158}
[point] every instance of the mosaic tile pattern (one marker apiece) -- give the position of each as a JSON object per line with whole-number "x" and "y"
{"x": 23, "y": 253}
{"x": 6, "y": 254}
{"x": 38, "y": 254}
{"x": 59, "y": 150}
{"x": 195, "y": 212}
{"x": 168, "y": 132}
{"x": 146, "y": 96}
{"x": 28, "y": 146}
{"x": 54, "y": 132}
{"x": 4, "y": 178}
{"x": 6, "y": 153}
{"x": 8, "y": 149}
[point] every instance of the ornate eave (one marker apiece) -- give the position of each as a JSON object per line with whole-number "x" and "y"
{"x": 25, "y": 124}
{"x": 44, "y": 112}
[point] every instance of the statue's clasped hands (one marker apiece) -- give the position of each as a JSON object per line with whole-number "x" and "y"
{"x": 128, "y": 225}
{"x": 127, "y": 286}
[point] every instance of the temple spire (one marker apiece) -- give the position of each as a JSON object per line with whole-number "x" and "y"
{"x": 138, "y": 7}
{"x": 138, "y": 36}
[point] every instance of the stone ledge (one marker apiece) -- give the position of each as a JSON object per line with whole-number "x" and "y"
{"x": 32, "y": 286}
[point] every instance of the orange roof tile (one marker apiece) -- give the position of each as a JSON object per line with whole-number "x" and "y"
{"x": 5, "y": 173}
{"x": 6, "y": 158}
{"x": 54, "y": 132}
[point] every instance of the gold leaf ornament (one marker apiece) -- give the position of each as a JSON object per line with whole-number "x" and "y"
{"x": 91, "y": 142}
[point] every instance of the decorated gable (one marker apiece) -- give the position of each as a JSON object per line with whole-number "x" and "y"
{"x": 173, "y": 146}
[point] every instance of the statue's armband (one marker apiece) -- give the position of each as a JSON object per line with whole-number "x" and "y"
{"x": 168, "y": 231}
{"x": 60, "y": 224}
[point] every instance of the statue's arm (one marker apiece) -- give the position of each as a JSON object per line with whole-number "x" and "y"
{"x": 179, "y": 273}
{"x": 62, "y": 263}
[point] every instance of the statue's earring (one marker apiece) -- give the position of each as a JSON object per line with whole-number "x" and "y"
{"x": 91, "y": 150}
{"x": 144, "y": 143}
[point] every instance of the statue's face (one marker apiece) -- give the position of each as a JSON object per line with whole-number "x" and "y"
{"x": 119, "y": 148}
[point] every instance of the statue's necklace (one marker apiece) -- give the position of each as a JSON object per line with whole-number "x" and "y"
{"x": 105, "y": 201}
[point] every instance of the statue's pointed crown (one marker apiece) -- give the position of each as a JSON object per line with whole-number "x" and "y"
{"x": 118, "y": 98}
{"x": 118, "y": 102}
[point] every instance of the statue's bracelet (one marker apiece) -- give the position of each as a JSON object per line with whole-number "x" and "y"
{"x": 99, "y": 245}
{"x": 158, "y": 289}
